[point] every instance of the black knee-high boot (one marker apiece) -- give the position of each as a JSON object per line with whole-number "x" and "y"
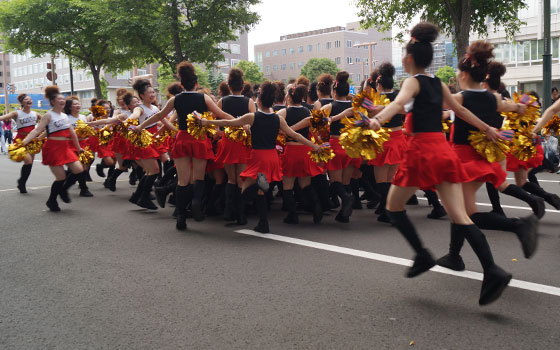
{"x": 355, "y": 190}
{"x": 212, "y": 205}
{"x": 229, "y": 212}
{"x": 245, "y": 197}
{"x": 536, "y": 203}
{"x": 495, "y": 278}
{"x": 525, "y": 228}
{"x": 136, "y": 195}
{"x": 181, "y": 200}
{"x": 168, "y": 177}
{"x": 437, "y": 209}
{"x": 188, "y": 192}
{"x": 198, "y": 194}
{"x": 161, "y": 192}
{"x": 537, "y": 190}
{"x": 321, "y": 186}
{"x": 112, "y": 179}
{"x": 144, "y": 201}
{"x": 99, "y": 168}
{"x": 262, "y": 210}
{"x": 312, "y": 201}
{"x": 494, "y": 197}
{"x": 71, "y": 179}
{"x": 84, "y": 190}
{"x": 346, "y": 202}
{"x": 532, "y": 175}
{"x": 423, "y": 260}
{"x": 56, "y": 187}
{"x": 453, "y": 260}
{"x": 25, "y": 172}
{"x": 290, "y": 204}
{"x": 383, "y": 190}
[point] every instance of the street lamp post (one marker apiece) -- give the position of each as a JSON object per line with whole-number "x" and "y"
{"x": 370, "y": 46}
{"x": 5, "y": 81}
{"x": 547, "y": 59}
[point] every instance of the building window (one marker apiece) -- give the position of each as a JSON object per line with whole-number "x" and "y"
{"x": 358, "y": 60}
{"x": 349, "y": 60}
{"x": 283, "y": 52}
{"x": 235, "y": 48}
{"x": 358, "y": 77}
{"x": 328, "y": 45}
{"x": 283, "y": 67}
{"x": 309, "y": 48}
{"x": 348, "y": 43}
{"x": 267, "y": 69}
{"x": 267, "y": 54}
{"x": 300, "y": 64}
{"x": 356, "y": 42}
{"x": 275, "y": 68}
{"x": 300, "y": 49}
{"x": 365, "y": 61}
{"x": 234, "y": 62}
{"x": 275, "y": 53}
{"x": 337, "y": 60}
{"x": 292, "y": 51}
{"x": 292, "y": 66}
{"x": 319, "y": 47}
{"x": 223, "y": 46}
{"x": 337, "y": 43}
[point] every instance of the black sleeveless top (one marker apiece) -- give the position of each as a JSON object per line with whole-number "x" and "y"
{"x": 308, "y": 106}
{"x": 237, "y": 106}
{"x": 398, "y": 119}
{"x": 294, "y": 115}
{"x": 428, "y": 105}
{"x": 496, "y": 120}
{"x": 325, "y": 101}
{"x": 482, "y": 104}
{"x": 277, "y": 108}
{"x": 265, "y": 130}
{"x": 186, "y": 103}
{"x": 338, "y": 107}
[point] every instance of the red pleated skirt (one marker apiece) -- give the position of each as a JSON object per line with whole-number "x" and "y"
{"x": 83, "y": 144}
{"x": 147, "y": 152}
{"x": 341, "y": 159}
{"x": 120, "y": 144}
{"x": 479, "y": 169}
{"x": 231, "y": 152}
{"x": 187, "y": 146}
{"x": 215, "y": 163}
{"x": 514, "y": 164}
{"x": 429, "y": 161}
{"x": 393, "y": 150}
{"x": 264, "y": 161}
{"x": 93, "y": 143}
{"x": 106, "y": 150}
{"x": 297, "y": 163}
{"x": 59, "y": 152}
{"x": 23, "y": 132}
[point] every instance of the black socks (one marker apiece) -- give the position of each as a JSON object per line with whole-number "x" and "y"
{"x": 400, "y": 220}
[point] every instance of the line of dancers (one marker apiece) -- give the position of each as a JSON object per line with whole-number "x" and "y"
{"x": 216, "y": 174}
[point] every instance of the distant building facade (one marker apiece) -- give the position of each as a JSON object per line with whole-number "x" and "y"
{"x": 283, "y": 59}
{"x": 238, "y": 50}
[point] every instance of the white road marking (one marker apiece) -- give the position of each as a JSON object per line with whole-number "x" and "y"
{"x": 534, "y": 287}
{"x": 507, "y": 206}
{"x": 553, "y": 181}
{"x": 49, "y": 186}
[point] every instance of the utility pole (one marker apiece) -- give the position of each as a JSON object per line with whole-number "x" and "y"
{"x": 370, "y": 60}
{"x": 5, "y": 81}
{"x": 71, "y": 77}
{"x": 547, "y": 59}
{"x": 53, "y": 70}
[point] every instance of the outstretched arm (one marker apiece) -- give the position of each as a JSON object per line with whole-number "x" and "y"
{"x": 244, "y": 120}
{"x": 294, "y": 135}
{"x": 157, "y": 116}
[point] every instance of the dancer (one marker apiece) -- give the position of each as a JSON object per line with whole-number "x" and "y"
{"x": 189, "y": 154}
{"x": 26, "y": 119}
{"x": 264, "y": 164}
{"x": 473, "y": 69}
{"x": 105, "y": 152}
{"x": 296, "y": 163}
{"x": 57, "y": 150}
{"x": 430, "y": 162}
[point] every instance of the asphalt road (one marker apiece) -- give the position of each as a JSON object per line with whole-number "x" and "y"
{"x": 104, "y": 274}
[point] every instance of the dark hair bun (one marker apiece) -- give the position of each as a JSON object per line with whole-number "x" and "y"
{"x": 424, "y": 32}
{"x": 268, "y": 92}
{"x": 496, "y": 69}
{"x": 51, "y": 92}
{"x": 120, "y": 92}
{"x": 127, "y": 98}
{"x": 386, "y": 69}
{"x": 481, "y": 51}
{"x": 174, "y": 89}
{"x": 324, "y": 83}
{"x": 141, "y": 85}
{"x": 342, "y": 77}
{"x": 187, "y": 75}
{"x": 235, "y": 79}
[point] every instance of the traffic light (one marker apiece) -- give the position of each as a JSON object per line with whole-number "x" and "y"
{"x": 51, "y": 75}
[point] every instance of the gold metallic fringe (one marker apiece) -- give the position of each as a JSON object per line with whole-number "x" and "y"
{"x": 491, "y": 151}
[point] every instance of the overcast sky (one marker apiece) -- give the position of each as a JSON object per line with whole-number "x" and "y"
{"x": 280, "y": 17}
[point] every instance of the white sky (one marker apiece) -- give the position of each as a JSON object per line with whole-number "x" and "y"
{"x": 281, "y": 17}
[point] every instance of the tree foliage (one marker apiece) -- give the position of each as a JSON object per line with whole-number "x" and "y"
{"x": 214, "y": 79}
{"x": 444, "y": 73}
{"x": 456, "y": 18}
{"x": 317, "y": 66}
{"x": 251, "y": 72}
{"x": 79, "y": 29}
{"x": 171, "y": 31}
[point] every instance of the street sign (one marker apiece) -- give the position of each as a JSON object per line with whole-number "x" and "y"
{"x": 51, "y": 66}
{"x": 50, "y": 76}
{"x": 352, "y": 90}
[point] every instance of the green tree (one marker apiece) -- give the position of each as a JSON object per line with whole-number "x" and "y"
{"x": 104, "y": 90}
{"x": 317, "y": 66}
{"x": 79, "y": 29}
{"x": 251, "y": 72}
{"x": 171, "y": 31}
{"x": 456, "y": 18}
{"x": 214, "y": 79}
{"x": 444, "y": 73}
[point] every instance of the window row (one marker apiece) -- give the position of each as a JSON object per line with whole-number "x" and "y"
{"x": 309, "y": 48}
{"x": 283, "y": 66}
{"x": 525, "y": 51}
{"x": 235, "y": 48}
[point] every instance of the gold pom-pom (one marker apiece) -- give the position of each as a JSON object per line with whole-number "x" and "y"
{"x": 105, "y": 135}
{"x": 17, "y": 151}
{"x": 86, "y": 157}
{"x": 522, "y": 146}
{"x": 195, "y": 127}
{"x": 98, "y": 112}
{"x": 518, "y": 122}
{"x": 553, "y": 126}
{"x": 142, "y": 140}
{"x": 83, "y": 130}
{"x": 367, "y": 100}
{"x": 35, "y": 146}
{"x": 237, "y": 134}
{"x": 323, "y": 155}
{"x": 159, "y": 139}
{"x": 491, "y": 151}
{"x": 446, "y": 125}
{"x": 319, "y": 128}
{"x": 358, "y": 140}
